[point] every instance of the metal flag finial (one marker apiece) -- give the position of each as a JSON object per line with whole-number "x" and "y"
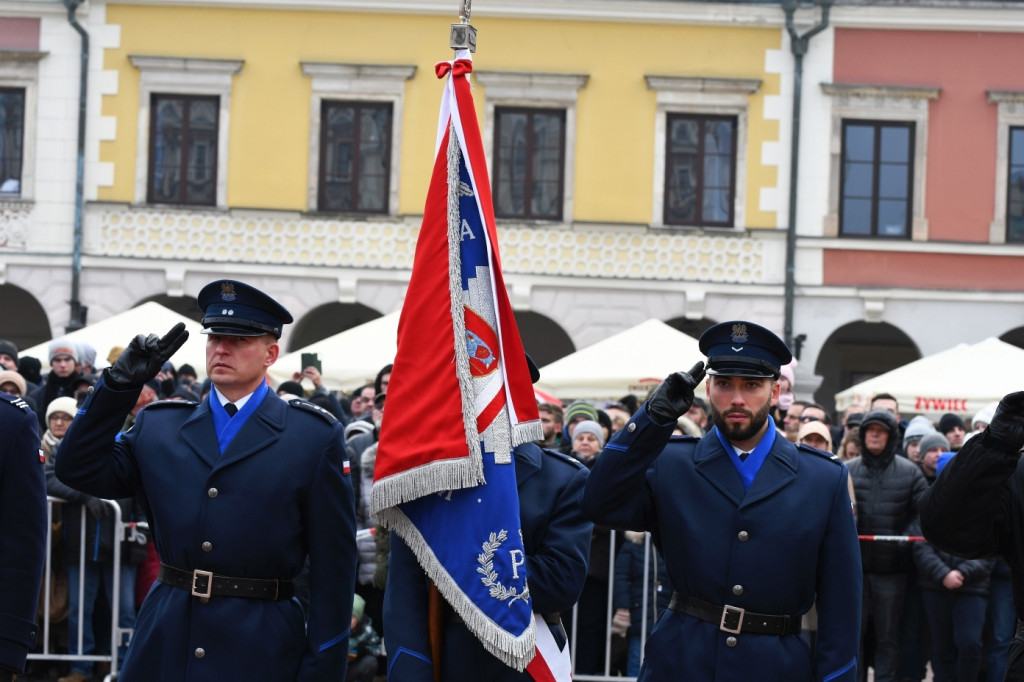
{"x": 463, "y": 35}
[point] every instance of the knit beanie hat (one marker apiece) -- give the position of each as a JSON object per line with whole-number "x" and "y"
{"x": 67, "y": 405}
{"x": 293, "y": 387}
{"x": 86, "y": 353}
{"x": 579, "y": 408}
{"x": 10, "y": 376}
{"x": 63, "y": 347}
{"x": 918, "y": 428}
{"x": 29, "y": 367}
{"x": 934, "y": 440}
{"x": 984, "y": 415}
{"x": 949, "y": 421}
{"x": 592, "y": 427}
{"x": 9, "y": 348}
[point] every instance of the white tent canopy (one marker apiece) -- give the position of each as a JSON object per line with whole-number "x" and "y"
{"x": 962, "y": 379}
{"x": 632, "y": 361}
{"x": 120, "y": 329}
{"x": 348, "y": 359}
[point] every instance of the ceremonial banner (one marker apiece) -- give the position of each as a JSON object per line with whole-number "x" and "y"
{"x": 460, "y": 398}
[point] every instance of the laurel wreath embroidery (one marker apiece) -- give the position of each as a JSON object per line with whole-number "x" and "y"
{"x": 490, "y": 576}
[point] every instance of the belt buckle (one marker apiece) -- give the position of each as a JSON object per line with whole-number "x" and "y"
{"x": 196, "y": 575}
{"x": 735, "y": 611}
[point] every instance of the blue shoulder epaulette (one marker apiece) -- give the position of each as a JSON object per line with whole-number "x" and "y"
{"x": 803, "y": 447}
{"x": 16, "y": 401}
{"x": 315, "y": 409}
{"x": 564, "y": 457}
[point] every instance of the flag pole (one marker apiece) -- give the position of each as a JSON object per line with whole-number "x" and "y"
{"x": 463, "y": 34}
{"x": 462, "y": 37}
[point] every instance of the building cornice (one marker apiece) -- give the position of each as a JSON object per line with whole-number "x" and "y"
{"x": 922, "y": 15}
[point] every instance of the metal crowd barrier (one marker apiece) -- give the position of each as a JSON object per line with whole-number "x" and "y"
{"x": 608, "y": 675}
{"x": 646, "y": 603}
{"x": 117, "y": 634}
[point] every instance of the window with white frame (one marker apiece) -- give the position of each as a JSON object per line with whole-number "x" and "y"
{"x": 355, "y": 136}
{"x": 700, "y": 142}
{"x": 530, "y": 139}
{"x": 1007, "y": 225}
{"x": 181, "y": 150}
{"x": 878, "y": 152}
{"x": 19, "y": 92}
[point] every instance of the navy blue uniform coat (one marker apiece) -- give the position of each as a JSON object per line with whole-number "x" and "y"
{"x": 770, "y": 550}
{"x": 277, "y": 492}
{"x": 22, "y": 530}
{"x": 557, "y": 541}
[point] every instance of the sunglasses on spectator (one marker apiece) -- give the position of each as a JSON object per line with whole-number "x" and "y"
{"x": 804, "y": 418}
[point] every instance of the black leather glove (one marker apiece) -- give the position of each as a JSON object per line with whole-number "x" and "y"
{"x": 144, "y": 357}
{"x": 673, "y": 397}
{"x": 1006, "y": 430}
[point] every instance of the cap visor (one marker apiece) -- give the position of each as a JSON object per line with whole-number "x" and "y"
{"x": 742, "y": 371}
{"x": 221, "y": 330}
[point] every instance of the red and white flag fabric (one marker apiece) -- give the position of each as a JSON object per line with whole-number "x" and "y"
{"x": 460, "y": 398}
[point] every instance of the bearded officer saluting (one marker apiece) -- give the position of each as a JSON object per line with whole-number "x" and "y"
{"x": 238, "y": 490}
{"x": 752, "y": 528}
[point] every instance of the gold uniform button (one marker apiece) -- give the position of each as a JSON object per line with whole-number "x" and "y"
{"x": 737, "y": 589}
{"x": 730, "y": 641}
{"x": 743, "y": 536}
{"x": 212, "y": 492}
{"x": 207, "y": 546}
{"x": 200, "y": 653}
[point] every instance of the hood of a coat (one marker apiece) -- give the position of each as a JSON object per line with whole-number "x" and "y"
{"x": 886, "y": 419}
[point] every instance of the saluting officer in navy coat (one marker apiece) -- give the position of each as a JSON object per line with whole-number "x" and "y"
{"x": 752, "y": 528}
{"x": 236, "y": 503}
{"x": 22, "y": 532}
{"x": 556, "y": 537}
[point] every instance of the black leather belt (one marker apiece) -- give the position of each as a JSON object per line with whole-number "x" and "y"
{"x": 733, "y": 619}
{"x": 206, "y": 584}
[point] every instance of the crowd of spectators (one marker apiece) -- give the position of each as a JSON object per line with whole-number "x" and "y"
{"x": 921, "y": 606}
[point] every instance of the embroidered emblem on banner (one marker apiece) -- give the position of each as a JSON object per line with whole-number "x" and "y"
{"x": 490, "y": 576}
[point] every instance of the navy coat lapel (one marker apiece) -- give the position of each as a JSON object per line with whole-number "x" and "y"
{"x": 778, "y": 470}
{"x": 712, "y": 462}
{"x": 198, "y": 433}
{"x": 261, "y": 430}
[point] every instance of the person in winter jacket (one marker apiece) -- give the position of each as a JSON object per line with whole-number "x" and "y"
{"x": 955, "y": 592}
{"x": 887, "y": 489}
{"x": 100, "y": 535}
{"x": 363, "y": 645}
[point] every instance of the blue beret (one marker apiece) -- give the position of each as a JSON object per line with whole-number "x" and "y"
{"x": 232, "y": 308}
{"x": 743, "y": 349}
